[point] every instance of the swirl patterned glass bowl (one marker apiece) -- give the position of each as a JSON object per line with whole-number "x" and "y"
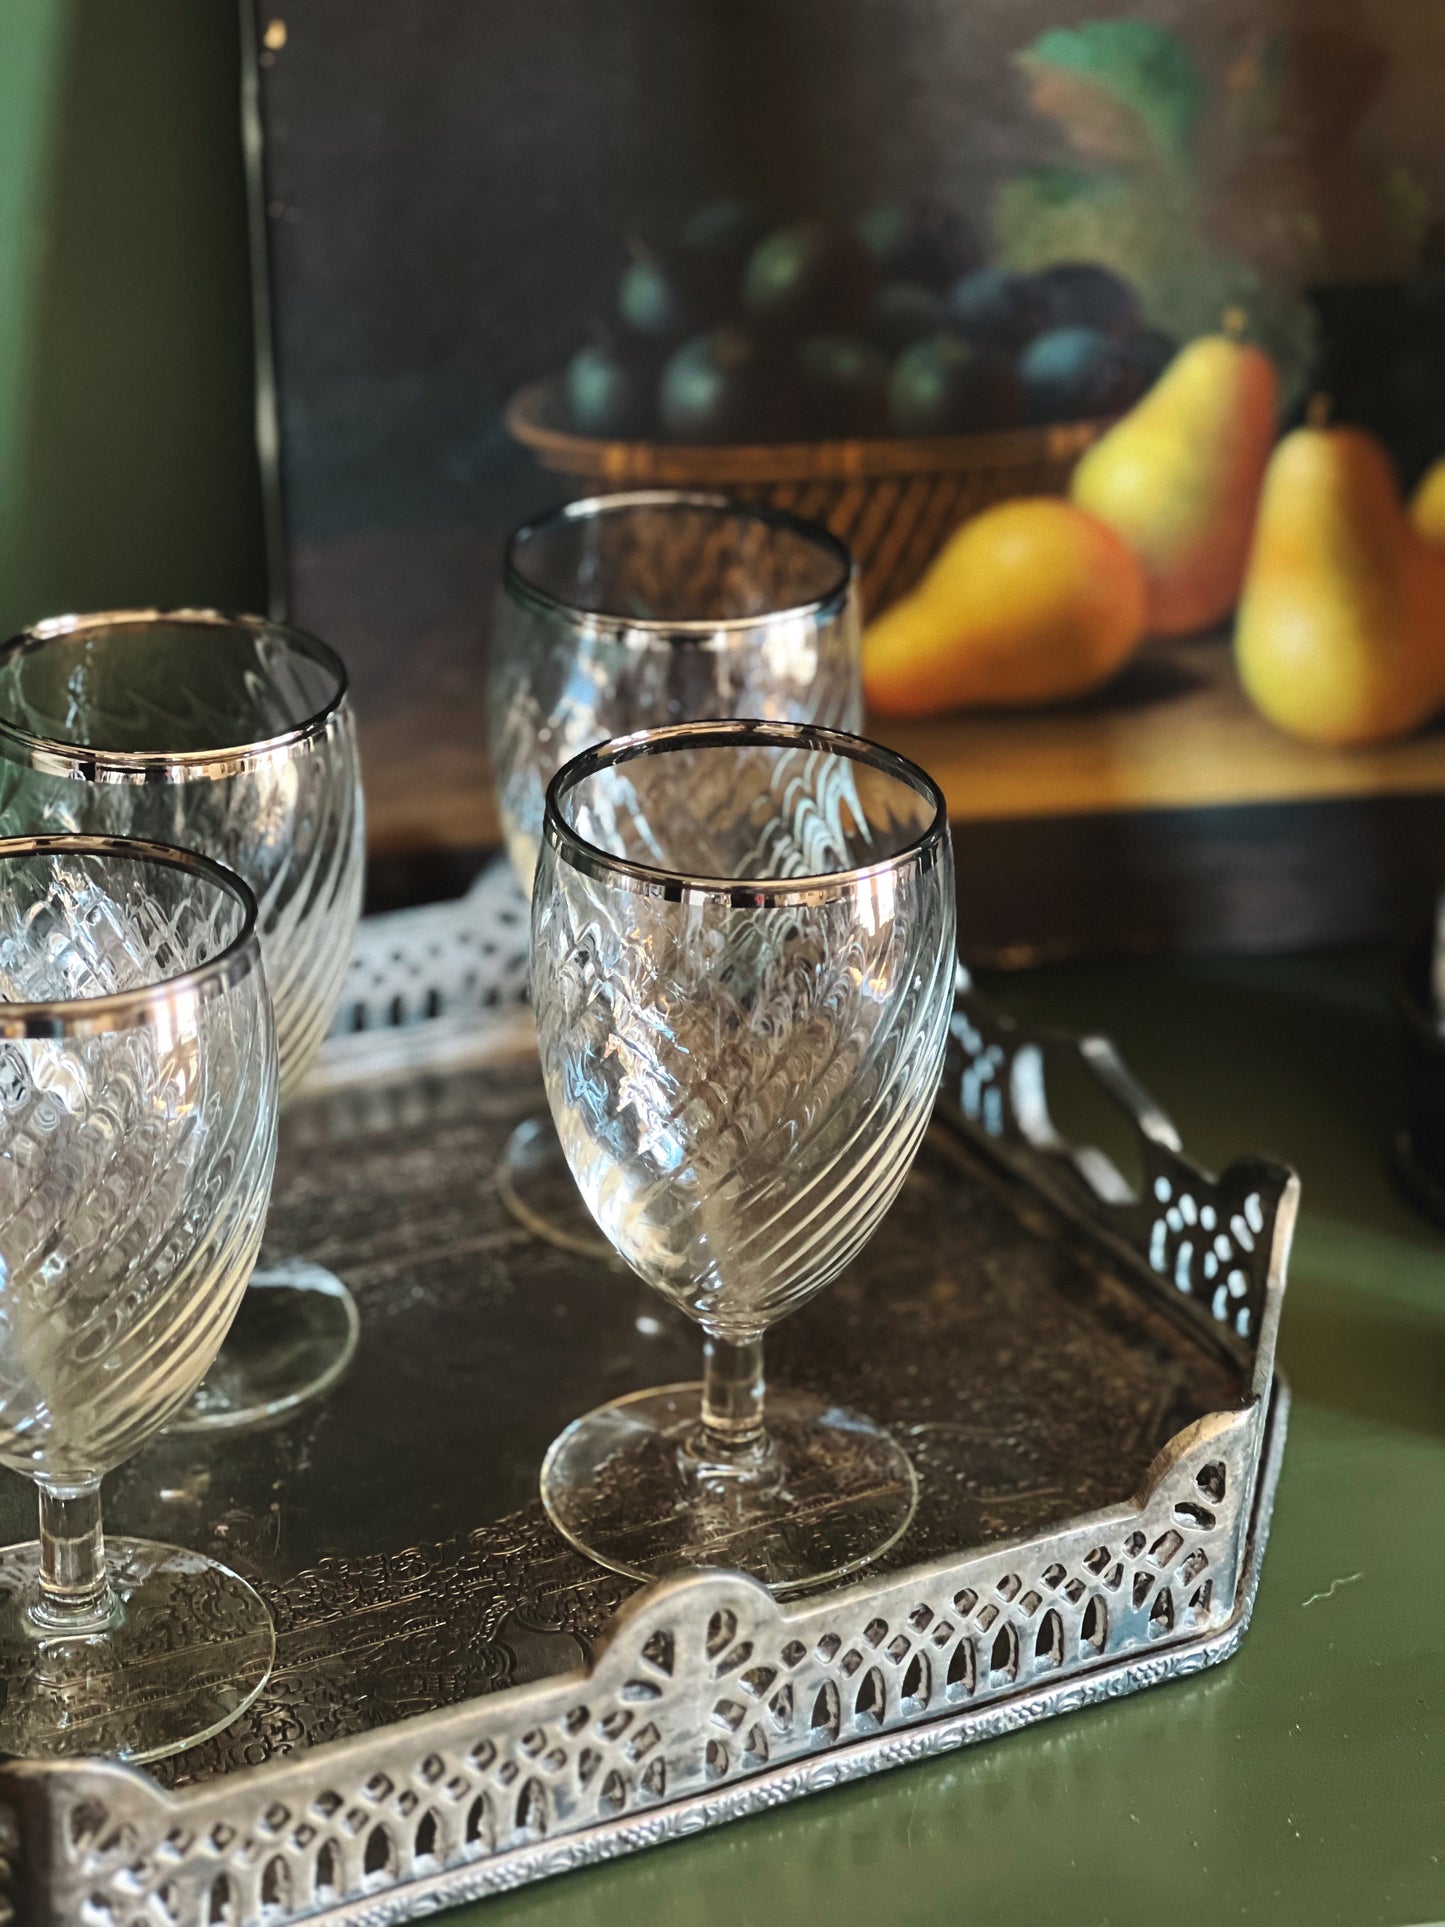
{"x": 634, "y": 611}
{"x": 138, "y": 1082}
{"x": 230, "y": 735}
{"x": 743, "y": 965}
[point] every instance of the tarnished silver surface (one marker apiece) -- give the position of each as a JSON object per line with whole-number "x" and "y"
{"x": 461, "y": 1703}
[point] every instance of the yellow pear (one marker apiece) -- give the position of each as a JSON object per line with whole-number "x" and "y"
{"x": 1341, "y": 631}
{"x": 1031, "y": 601}
{"x": 1179, "y": 477}
{"x": 1427, "y": 504}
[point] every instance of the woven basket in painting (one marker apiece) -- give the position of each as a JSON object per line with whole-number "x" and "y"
{"x": 894, "y": 502}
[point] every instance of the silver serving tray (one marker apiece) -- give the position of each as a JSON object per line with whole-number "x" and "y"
{"x": 1082, "y": 1370}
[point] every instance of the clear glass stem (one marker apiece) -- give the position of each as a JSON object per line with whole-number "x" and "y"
{"x": 74, "y": 1591}
{"x": 732, "y": 1399}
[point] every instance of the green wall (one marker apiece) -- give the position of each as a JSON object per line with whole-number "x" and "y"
{"x": 127, "y": 458}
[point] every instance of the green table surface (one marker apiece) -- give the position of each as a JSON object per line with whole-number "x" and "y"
{"x": 1303, "y": 1781}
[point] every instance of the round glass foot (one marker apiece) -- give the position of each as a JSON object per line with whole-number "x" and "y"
{"x": 187, "y": 1648}
{"x": 629, "y": 1486}
{"x": 541, "y": 1194}
{"x": 292, "y": 1338}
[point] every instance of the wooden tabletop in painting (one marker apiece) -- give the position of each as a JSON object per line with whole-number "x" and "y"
{"x": 1175, "y": 731}
{"x": 1303, "y": 1783}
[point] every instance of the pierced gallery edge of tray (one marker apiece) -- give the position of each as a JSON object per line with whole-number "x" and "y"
{"x": 1081, "y": 1368}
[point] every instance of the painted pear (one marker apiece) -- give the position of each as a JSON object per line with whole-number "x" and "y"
{"x": 1032, "y": 601}
{"x": 1179, "y": 478}
{"x": 1341, "y": 631}
{"x": 1427, "y": 504}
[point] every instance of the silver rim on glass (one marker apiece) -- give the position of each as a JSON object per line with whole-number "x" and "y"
{"x": 751, "y": 893}
{"x": 56, "y": 757}
{"x": 525, "y": 589}
{"x": 127, "y": 1009}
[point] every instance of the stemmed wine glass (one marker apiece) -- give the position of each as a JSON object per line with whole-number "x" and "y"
{"x": 743, "y": 966}
{"x": 231, "y": 735}
{"x": 631, "y": 611}
{"x": 137, "y": 1138}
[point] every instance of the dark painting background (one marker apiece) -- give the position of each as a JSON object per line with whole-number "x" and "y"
{"x": 447, "y": 189}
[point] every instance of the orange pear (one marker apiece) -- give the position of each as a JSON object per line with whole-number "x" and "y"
{"x": 1341, "y": 631}
{"x": 1179, "y": 477}
{"x": 1427, "y": 504}
{"x": 1032, "y": 601}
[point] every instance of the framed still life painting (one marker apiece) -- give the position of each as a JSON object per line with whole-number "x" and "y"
{"x": 1113, "y": 343}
